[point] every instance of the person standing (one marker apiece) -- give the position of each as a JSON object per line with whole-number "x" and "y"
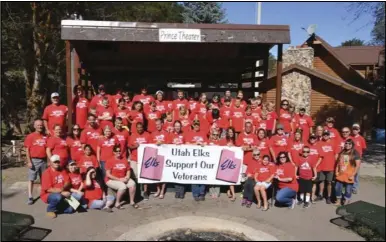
{"x": 279, "y": 142}
{"x": 285, "y": 118}
{"x": 295, "y": 146}
{"x": 81, "y": 106}
{"x": 227, "y": 95}
{"x": 360, "y": 147}
{"x": 35, "y": 146}
{"x": 315, "y": 155}
{"x": 55, "y": 188}
{"x": 161, "y": 104}
{"x": 143, "y": 97}
{"x": 74, "y": 144}
{"x": 271, "y": 119}
{"x": 90, "y": 135}
{"x": 214, "y": 190}
{"x": 136, "y": 116}
{"x": 122, "y": 112}
{"x": 122, "y": 135}
{"x": 237, "y": 116}
{"x": 57, "y": 145}
{"x": 304, "y": 122}
{"x": 249, "y": 184}
{"x": 96, "y": 101}
{"x": 178, "y": 103}
{"x": 54, "y": 114}
{"x": 105, "y": 148}
{"x": 151, "y": 115}
{"x": 247, "y": 141}
{"x": 334, "y": 133}
{"x": 105, "y": 114}
{"x": 230, "y": 140}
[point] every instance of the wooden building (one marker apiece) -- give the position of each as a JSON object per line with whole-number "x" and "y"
{"x": 340, "y": 82}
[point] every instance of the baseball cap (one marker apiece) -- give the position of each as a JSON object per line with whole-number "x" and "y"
{"x": 356, "y": 126}
{"x": 159, "y": 92}
{"x": 54, "y": 94}
{"x": 55, "y": 158}
{"x": 71, "y": 162}
{"x": 330, "y": 120}
{"x": 326, "y": 132}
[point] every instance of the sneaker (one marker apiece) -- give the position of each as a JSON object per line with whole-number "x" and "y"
{"x": 202, "y": 198}
{"x": 300, "y": 202}
{"x": 313, "y": 201}
{"x": 306, "y": 205}
{"x": 30, "y": 201}
{"x": 177, "y": 195}
{"x": 51, "y": 214}
{"x": 354, "y": 191}
{"x": 293, "y": 204}
{"x": 197, "y": 199}
{"x": 328, "y": 200}
{"x": 319, "y": 198}
{"x": 145, "y": 196}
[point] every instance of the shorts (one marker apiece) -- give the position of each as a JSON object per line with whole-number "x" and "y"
{"x": 264, "y": 184}
{"x": 118, "y": 185}
{"x": 325, "y": 176}
{"x": 305, "y": 185}
{"x": 134, "y": 168}
{"x": 38, "y": 167}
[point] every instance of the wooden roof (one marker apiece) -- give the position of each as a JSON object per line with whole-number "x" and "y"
{"x": 359, "y": 55}
{"x": 323, "y": 76}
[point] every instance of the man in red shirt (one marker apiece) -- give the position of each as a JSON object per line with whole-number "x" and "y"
{"x": 35, "y": 146}
{"x": 346, "y": 134}
{"x": 97, "y": 99}
{"x": 158, "y": 136}
{"x": 105, "y": 114}
{"x": 122, "y": 136}
{"x": 196, "y": 136}
{"x": 151, "y": 115}
{"x": 248, "y": 141}
{"x": 278, "y": 142}
{"x": 226, "y": 110}
{"x": 240, "y": 95}
{"x": 304, "y": 122}
{"x": 140, "y": 137}
{"x": 55, "y": 188}
{"x": 143, "y": 97}
{"x": 115, "y": 99}
{"x": 334, "y": 133}
{"x": 237, "y": 116}
{"x": 360, "y": 146}
{"x": 180, "y": 101}
{"x": 329, "y": 152}
{"x": 90, "y": 135}
{"x": 80, "y": 107}
{"x": 54, "y": 114}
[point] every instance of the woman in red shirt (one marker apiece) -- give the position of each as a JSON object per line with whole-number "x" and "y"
{"x": 105, "y": 148}
{"x": 230, "y": 140}
{"x": 285, "y": 117}
{"x": 201, "y": 107}
{"x": 271, "y": 119}
{"x": 105, "y": 113}
{"x": 288, "y": 185}
{"x": 88, "y": 159}
{"x": 295, "y": 147}
{"x": 136, "y": 116}
{"x": 76, "y": 183}
{"x": 262, "y": 142}
{"x": 80, "y": 107}
{"x": 264, "y": 173}
{"x": 118, "y": 177}
{"x": 95, "y": 192}
{"x": 122, "y": 112}
{"x": 168, "y": 122}
{"x": 57, "y": 145}
{"x": 183, "y": 117}
{"x": 73, "y": 142}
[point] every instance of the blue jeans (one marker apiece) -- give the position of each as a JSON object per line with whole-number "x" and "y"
{"x": 57, "y": 204}
{"x": 285, "y": 196}
{"x": 99, "y": 204}
{"x": 81, "y": 200}
{"x": 339, "y": 187}
{"x": 198, "y": 190}
{"x": 103, "y": 170}
{"x": 356, "y": 181}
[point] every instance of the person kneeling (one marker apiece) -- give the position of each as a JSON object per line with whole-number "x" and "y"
{"x": 118, "y": 177}
{"x": 95, "y": 192}
{"x": 55, "y": 188}
{"x": 264, "y": 174}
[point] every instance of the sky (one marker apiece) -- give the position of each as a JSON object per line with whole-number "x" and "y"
{"x": 333, "y": 20}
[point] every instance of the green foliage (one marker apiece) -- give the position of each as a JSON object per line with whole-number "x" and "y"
{"x": 378, "y": 32}
{"x": 353, "y": 42}
{"x": 203, "y": 12}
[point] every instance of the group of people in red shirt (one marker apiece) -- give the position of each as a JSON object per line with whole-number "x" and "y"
{"x": 100, "y": 153}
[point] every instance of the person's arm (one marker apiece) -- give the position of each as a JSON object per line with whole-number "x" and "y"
{"x": 318, "y": 163}
{"x": 49, "y": 153}
{"x": 296, "y": 172}
{"x": 269, "y": 180}
{"x": 46, "y": 127}
{"x": 358, "y": 165}
{"x": 291, "y": 159}
{"x": 28, "y": 157}
{"x": 272, "y": 153}
{"x": 337, "y": 170}
{"x": 88, "y": 179}
{"x": 98, "y": 153}
{"x": 128, "y": 175}
{"x": 256, "y": 176}
{"x": 274, "y": 126}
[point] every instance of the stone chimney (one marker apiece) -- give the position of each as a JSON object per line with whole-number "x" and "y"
{"x": 297, "y": 86}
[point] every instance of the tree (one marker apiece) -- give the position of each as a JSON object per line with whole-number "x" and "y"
{"x": 203, "y": 12}
{"x": 271, "y": 64}
{"x": 353, "y": 42}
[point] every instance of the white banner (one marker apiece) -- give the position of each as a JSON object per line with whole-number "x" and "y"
{"x": 179, "y": 35}
{"x": 190, "y": 164}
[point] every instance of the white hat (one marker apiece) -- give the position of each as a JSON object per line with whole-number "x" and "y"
{"x": 159, "y": 92}
{"x": 54, "y": 94}
{"x": 356, "y": 125}
{"x": 55, "y": 158}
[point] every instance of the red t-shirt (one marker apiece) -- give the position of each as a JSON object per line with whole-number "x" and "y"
{"x": 55, "y": 114}
{"x": 328, "y": 150}
{"x": 52, "y": 179}
{"x": 136, "y": 117}
{"x": 334, "y": 134}
{"x": 285, "y": 119}
{"x": 93, "y": 192}
{"x": 263, "y": 146}
{"x": 225, "y": 142}
{"x": 252, "y": 119}
{"x": 243, "y": 104}
{"x": 118, "y": 167}
{"x": 81, "y": 111}
{"x": 176, "y": 104}
{"x": 136, "y": 138}
{"x": 237, "y": 118}
{"x": 174, "y": 138}
{"x": 161, "y": 106}
{"x": 204, "y": 124}
{"x": 264, "y": 171}
{"x": 75, "y": 179}
{"x": 91, "y": 136}
{"x": 145, "y": 99}
{"x": 246, "y": 139}
{"x": 129, "y": 105}
{"x": 314, "y": 153}
{"x": 151, "y": 118}
{"x": 305, "y": 167}
{"x": 36, "y": 144}
{"x": 193, "y": 137}
{"x": 225, "y": 114}
{"x": 295, "y": 147}
{"x": 271, "y": 117}
{"x": 214, "y": 142}
{"x": 193, "y": 106}
{"x": 86, "y": 162}
{"x": 278, "y": 144}
{"x": 158, "y": 136}
{"x": 201, "y": 109}
{"x": 123, "y": 137}
{"x": 106, "y": 146}
{"x": 186, "y": 123}
{"x": 252, "y": 165}
{"x": 75, "y": 148}
{"x": 168, "y": 126}
{"x": 287, "y": 170}
{"x": 59, "y": 147}
{"x": 360, "y": 144}
{"x": 124, "y": 114}
{"x": 108, "y": 112}
{"x": 305, "y": 123}
{"x": 96, "y": 101}
{"x": 256, "y": 113}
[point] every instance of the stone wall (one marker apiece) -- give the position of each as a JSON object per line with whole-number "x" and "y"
{"x": 296, "y": 86}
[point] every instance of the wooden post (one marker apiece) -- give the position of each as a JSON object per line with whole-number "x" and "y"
{"x": 68, "y": 83}
{"x": 279, "y": 69}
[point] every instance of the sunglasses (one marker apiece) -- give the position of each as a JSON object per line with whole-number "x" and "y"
{"x": 73, "y": 164}
{"x": 307, "y": 151}
{"x": 280, "y": 129}
{"x": 284, "y": 104}
{"x": 256, "y": 154}
{"x": 282, "y": 157}
{"x": 347, "y": 144}
{"x": 117, "y": 151}
{"x": 345, "y": 132}
{"x": 76, "y": 129}
{"x": 56, "y": 161}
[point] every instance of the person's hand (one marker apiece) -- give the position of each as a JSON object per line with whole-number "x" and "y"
{"x": 29, "y": 164}
{"x": 297, "y": 177}
{"x": 249, "y": 175}
{"x": 80, "y": 193}
{"x": 66, "y": 194}
{"x": 351, "y": 178}
{"x": 314, "y": 178}
{"x": 159, "y": 143}
{"x": 48, "y": 132}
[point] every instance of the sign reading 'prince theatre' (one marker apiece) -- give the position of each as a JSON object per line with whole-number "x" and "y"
{"x": 189, "y": 164}
{"x": 179, "y": 35}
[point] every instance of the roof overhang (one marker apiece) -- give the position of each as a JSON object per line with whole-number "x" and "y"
{"x": 151, "y": 32}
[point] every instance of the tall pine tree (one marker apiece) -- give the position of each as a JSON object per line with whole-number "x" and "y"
{"x": 203, "y": 12}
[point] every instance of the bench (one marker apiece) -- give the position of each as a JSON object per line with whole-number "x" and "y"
{"x": 365, "y": 214}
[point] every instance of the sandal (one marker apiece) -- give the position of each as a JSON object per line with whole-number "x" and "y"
{"x": 243, "y": 202}
{"x": 107, "y": 210}
{"x": 258, "y": 206}
{"x": 156, "y": 194}
{"x": 233, "y": 199}
{"x": 119, "y": 207}
{"x": 134, "y": 205}
{"x": 266, "y": 209}
{"x": 229, "y": 194}
{"x": 161, "y": 196}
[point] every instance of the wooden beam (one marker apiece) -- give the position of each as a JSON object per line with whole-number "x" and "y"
{"x": 68, "y": 84}
{"x": 279, "y": 69}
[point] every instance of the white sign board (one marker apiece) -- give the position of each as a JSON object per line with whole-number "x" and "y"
{"x": 190, "y": 164}
{"x": 179, "y": 35}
